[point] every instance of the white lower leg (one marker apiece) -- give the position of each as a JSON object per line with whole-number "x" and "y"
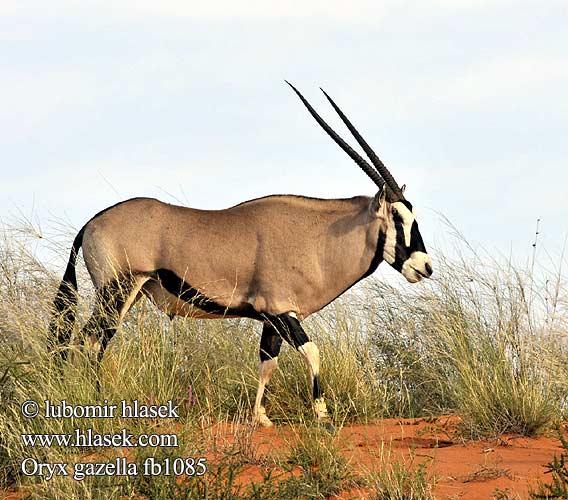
{"x": 266, "y": 369}
{"x": 320, "y": 409}
{"x": 312, "y": 357}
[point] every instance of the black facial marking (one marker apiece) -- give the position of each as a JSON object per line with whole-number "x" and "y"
{"x": 407, "y": 204}
{"x": 401, "y": 252}
{"x": 416, "y": 242}
{"x": 184, "y": 291}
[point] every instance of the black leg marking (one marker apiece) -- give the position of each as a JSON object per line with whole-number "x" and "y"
{"x": 292, "y": 332}
{"x": 270, "y": 342}
{"x": 289, "y": 329}
{"x": 316, "y": 390}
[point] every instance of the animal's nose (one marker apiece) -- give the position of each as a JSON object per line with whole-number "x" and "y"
{"x": 428, "y": 268}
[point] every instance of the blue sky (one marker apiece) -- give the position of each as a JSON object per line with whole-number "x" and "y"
{"x": 465, "y": 102}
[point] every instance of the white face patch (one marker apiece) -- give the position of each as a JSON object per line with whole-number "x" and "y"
{"x": 414, "y": 268}
{"x": 389, "y": 252}
{"x": 407, "y": 217}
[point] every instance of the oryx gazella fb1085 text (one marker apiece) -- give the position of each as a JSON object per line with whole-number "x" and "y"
{"x": 275, "y": 259}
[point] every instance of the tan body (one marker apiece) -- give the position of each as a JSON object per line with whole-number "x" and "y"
{"x": 279, "y": 254}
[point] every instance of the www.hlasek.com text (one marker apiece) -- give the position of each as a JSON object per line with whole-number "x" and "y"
{"x": 86, "y": 438}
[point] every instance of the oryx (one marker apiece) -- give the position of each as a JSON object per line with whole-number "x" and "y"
{"x": 275, "y": 259}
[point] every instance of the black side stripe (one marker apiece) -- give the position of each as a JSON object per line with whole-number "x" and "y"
{"x": 182, "y": 289}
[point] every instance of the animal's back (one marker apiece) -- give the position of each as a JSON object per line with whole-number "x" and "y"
{"x": 153, "y": 230}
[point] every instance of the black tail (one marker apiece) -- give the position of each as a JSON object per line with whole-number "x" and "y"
{"x": 65, "y": 302}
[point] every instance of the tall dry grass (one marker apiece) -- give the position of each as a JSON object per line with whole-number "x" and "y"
{"x": 482, "y": 339}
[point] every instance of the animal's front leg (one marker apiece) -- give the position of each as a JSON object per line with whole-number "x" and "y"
{"x": 293, "y": 333}
{"x": 270, "y": 344}
{"x": 311, "y": 354}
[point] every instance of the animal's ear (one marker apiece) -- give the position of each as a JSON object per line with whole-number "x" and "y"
{"x": 403, "y": 188}
{"x": 378, "y": 200}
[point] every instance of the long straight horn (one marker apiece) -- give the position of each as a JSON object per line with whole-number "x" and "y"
{"x": 375, "y": 160}
{"x": 368, "y": 169}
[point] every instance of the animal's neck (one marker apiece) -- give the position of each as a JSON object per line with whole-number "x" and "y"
{"x": 351, "y": 253}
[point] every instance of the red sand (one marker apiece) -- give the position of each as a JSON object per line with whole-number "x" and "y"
{"x": 472, "y": 470}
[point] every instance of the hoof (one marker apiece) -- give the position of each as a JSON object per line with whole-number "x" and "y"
{"x": 262, "y": 420}
{"x": 328, "y": 427}
{"x": 320, "y": 410}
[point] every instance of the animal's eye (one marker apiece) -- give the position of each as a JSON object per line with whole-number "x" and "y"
{"x": 394, "y": 211}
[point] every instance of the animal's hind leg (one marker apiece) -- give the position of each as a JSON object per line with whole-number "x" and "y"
{"x": 113, "y": 300}
{"x": 270, "y": 344}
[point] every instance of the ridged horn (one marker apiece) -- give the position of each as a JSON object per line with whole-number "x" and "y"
{"x": 363, "y": 164}
{"x": 375, "y": 160}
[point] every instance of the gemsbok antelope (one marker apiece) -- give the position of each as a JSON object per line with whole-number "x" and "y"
{"x": 275, "y": 259}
